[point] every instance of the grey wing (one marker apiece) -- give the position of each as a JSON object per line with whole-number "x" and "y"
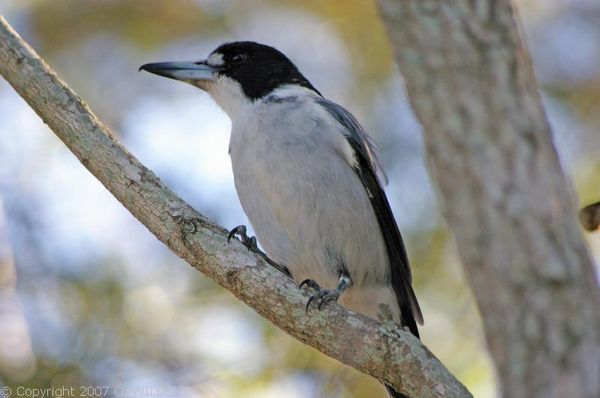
{"x": 368, "y": 167}
{"x": 360, "y": 141}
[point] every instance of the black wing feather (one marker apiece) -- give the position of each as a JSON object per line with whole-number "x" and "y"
{"x": 367, "y": 168}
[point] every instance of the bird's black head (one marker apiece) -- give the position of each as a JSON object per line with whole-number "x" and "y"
{"x": 255, "y": 68}
{"x": 258, "y": 68}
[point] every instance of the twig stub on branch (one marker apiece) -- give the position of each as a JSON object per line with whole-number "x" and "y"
{"x": 589, "y": 217}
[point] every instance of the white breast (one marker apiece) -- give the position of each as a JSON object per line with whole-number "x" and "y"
{"x": 310, "y": 211}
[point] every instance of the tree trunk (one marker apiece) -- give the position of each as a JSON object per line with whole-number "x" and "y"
{"x": 503, "y": 192}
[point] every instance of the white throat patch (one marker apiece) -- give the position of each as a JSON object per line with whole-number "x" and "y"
{"x": 228, "y": 94}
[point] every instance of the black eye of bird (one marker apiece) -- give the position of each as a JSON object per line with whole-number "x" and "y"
{"x": 238, "y": 59}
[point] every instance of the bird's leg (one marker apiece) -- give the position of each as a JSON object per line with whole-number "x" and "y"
{"x": 252, "y": 245}
{"x": 323, "y": 296}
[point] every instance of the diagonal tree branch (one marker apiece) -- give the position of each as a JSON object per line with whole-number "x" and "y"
{"x": 381, "y": 350}
{"x": 504, "y": 194}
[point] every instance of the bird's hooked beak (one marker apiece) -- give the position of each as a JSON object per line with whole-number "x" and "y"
{"x": 195, "y": 73}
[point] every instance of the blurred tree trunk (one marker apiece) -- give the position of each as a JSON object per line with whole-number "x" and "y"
{"x": 503, "y": 192}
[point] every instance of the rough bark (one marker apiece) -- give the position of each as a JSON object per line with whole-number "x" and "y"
{"x": 379, "y": 349}
{"x": 503, "y": 192}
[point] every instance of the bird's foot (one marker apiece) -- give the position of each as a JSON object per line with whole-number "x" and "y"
{"x": 250, "y": 242}
{"x": 324, "y": 296}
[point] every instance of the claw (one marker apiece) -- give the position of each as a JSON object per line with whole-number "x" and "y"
{"x": 248, "y": 241}
{"x": 324, "y": 296}
{"x": 330, "y": 296}
{"x": 311, "y": 283}
{"x": 239, "y": 230}
{"x": 252, "y": 245}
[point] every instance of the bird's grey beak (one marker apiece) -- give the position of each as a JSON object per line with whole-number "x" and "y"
{"x": 189, "y": 72}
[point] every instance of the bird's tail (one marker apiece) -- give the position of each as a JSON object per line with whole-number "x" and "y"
{"x": 393, "y": 393}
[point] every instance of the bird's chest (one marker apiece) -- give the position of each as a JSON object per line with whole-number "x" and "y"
{"x": 274, "y": 171}
{"x": 270, "y": 156}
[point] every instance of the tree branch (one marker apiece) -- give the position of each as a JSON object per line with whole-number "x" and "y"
{"x": 503, "y": 192}
{"x": 381, "y": 350}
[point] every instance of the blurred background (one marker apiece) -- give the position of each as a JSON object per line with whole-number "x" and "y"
{"x": 88, "y": 297}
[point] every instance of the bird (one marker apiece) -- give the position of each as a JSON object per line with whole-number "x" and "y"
{"x": 310, "y": 180}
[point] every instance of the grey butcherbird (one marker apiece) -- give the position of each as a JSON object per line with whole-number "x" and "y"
{"x": 309, "y": 179}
